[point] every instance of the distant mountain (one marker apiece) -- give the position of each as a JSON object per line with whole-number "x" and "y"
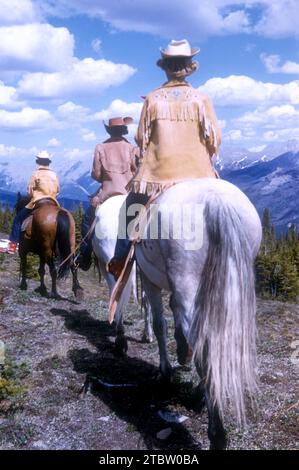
{"x": 233, "y": 158}
{"x": 273, "y": 184}
{"x": 268, "y": 175}
{"x": 7, "y": 197}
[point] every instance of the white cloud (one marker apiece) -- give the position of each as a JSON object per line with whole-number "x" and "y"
{"x": 119, "y": 108}
{"x": 17, "y": 12}
{"x": 96, "y": 44}
{"x": 272, "y": 64}
{"x": 88, "y": 136}
{"x": 81, "y": 77}
{"x": 281, "y": 135}
{"x": 35, "y": 47}
{"x": 72, "y": 112}
{"x": 9, "y": 97}
{"x": 240, "y": 90}
{"x": 12, "y": 151}
{"x": 27, "y": 118}
{"x": 275, "y": 116}
{"x": 279, "y": 19}
{"x": 197, "y": 19}
{"x": 54, "y": 143}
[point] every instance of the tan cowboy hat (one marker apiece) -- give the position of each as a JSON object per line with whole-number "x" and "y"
{"x": 180, "y": 48}
{"x": 119, "y": 121}
{"x": 44, "y": 155}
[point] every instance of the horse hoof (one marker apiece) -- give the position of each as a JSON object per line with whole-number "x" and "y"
{"x": 121, "y": 345}
{"x": 42, "y": 291}
{"x": 146, "y": 339}
{"x": 164, "y": 376}
{"x": 55, "y": 296}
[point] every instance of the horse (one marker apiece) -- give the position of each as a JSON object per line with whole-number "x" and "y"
{"x": 103, "y": 243}
{"x": 211, "y": 284}
{"x": 50, "y": 232}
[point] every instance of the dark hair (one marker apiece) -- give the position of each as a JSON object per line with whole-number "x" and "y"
{"x": 178, "y": 67}
{"x": 115, "y": 131}
{"x": 43, "y": 161}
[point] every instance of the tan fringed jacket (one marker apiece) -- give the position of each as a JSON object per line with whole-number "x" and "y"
{"x": 42, "y": 184}
{"x": 114, "y": 165}
{"x": 178, "y": 134}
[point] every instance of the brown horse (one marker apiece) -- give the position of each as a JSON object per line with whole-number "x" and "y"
{"x": 50, "y": 232}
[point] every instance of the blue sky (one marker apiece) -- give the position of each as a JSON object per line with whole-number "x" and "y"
{"x": 66, "y": 65}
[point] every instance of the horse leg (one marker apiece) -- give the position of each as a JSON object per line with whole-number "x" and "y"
{"x": 216, "y": 431}
{"x": 147, "y": 336}
{"x": 42, "y": 289}
{"x": 159, "y": 324}
{"x": 23, "y": 269}
{"x": 121, "y": 343}
{"x": 53, "y": 273}
{"x": 76, "y": 288}
{"x": 180, "y": 306}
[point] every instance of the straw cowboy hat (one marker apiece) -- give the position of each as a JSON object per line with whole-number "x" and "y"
{"x": 118, "y": 122}
{"x": 180, "y": 48}
{"x": 43, "y": 155}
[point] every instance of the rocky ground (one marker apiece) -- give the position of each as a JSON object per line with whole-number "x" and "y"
{"x": 51, "y": 346}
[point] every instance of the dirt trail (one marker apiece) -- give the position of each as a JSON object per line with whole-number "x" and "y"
{"x": 60, "y": 342}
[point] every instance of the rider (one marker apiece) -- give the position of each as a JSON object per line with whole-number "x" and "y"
{"x": 42, "y": 184}
{"x": 178, "y": 135}
{"x": 115, "y": 162}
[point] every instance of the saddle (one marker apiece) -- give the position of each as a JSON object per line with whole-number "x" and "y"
{"x": 27, "y": 223}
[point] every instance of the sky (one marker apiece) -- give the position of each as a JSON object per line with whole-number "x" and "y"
{"x": 67, "y": 65}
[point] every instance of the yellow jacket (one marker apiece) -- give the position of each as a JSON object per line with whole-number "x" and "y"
{"x": 43, "y": 184}
{"x": 178, "y": 134}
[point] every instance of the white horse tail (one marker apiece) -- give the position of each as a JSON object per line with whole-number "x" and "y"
{"x": 223, "y": 331}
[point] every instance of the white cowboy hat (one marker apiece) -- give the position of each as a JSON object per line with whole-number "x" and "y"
{"x": 44, "y": 155}
{"x": 180, "y": 48}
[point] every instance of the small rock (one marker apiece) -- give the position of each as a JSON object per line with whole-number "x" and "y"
{"x": 164, "y": 433}
{"x": 39, "y": 445}
{"x": 172, "y": 416}
{"x": 104, "y": 418}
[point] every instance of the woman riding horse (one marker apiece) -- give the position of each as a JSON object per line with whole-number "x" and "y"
{"x": 42, "y": 184}
{"x": 178, "y": 135}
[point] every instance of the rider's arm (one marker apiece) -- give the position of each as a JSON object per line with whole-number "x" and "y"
{"x": 143, "y": 132}
{"x": 31, "y": 185}
{"x": 96, "y": 172}
{"x": 213, "y": 140}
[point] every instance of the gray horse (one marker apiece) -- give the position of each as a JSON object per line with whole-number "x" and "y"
{"x": 103, "y": 242}
{"x": 208, "y": 269}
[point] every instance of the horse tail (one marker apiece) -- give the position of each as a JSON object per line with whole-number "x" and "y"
{"x": 223, "y": 331}
{"x": 63, "y": 243}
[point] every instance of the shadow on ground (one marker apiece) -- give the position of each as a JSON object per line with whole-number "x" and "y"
{"x": 139, "y": 403}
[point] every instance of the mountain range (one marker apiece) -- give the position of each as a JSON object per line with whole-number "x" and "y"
{"x": 269, "y": 176}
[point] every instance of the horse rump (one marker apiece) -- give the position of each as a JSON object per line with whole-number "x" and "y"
{"x": 63, "y": 243}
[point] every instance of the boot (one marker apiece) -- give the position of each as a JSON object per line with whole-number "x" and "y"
{"x": 115, "y": 266}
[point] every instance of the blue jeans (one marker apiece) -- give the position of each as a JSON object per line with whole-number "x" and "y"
{"x": 15, "y": 233}
{"x": 123, "y": 245}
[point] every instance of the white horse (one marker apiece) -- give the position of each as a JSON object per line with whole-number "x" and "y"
{"x": 103, "y": 243}
{"x": 212, "y": 287}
